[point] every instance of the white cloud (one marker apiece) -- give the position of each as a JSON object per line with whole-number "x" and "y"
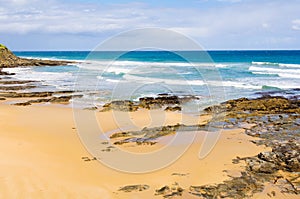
{"x": 247, "y": 22}
{"x": 296, "y": 24}
{"x": 17, "y": 2}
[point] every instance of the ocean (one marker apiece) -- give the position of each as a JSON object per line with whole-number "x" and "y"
{"x": 214, "y": 76}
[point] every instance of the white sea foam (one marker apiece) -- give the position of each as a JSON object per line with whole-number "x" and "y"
{"x": 236, "y": 84}
{"x": 146, "y": 80}
{"x": 112, "y": 80}
{"x": 283, "y": 65}
{"x": 222, "y": 65}
{"x": 59, "y": 80}
{"x": 117, "y": 70}
{"x": 103, "y": 65}
{"x": 239, "y": 85}
{"x": 286, "y": 73}
{"x": 290, "y": 65}
{"x": 263, "y": 63}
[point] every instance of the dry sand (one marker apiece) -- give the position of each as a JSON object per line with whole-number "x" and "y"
{"x": 41, "y": 157}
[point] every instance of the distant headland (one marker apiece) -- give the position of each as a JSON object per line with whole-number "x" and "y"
{"x": 9, "y": 60}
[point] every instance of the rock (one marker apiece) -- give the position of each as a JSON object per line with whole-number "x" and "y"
{"x": 260, "y": 166}
{"x": 22, "y": 104}
{"x": 238, "y": 187}
{"x": 176, "y": 108}
{"x": 150, "y": 135}
{"x": 32, "y": 94}
{"x": 130, "y": 188}
{"x": 180, "y": 174}
{"x": 158, "y": 102}
{"x": 263, "y": 105}
{"x": 169, "y": 102}
{"x": 267, "y": 156}
{"x": 5, "y": 73}
{"x": 288, "y": 155}
{"x": 170, "y": 191}
{"x": 9, "y": 60}
{"x": 162, "y": 190}
{"x": 13, "y": 88}
{"x": 61, "y": 100}
{"x": 119, "y": 105}
{"x": 276, "y": 121}
{"x": 16, "y": 82}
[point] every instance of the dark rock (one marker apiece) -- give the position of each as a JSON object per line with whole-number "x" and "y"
{"x": 5, "y": 73}
{"x": 150, "y": 135}
{"x": 260, "y": 166}
{"x": 238, "y": 187}
{"x": 277, "y": 123}
{"x": 61, "y": 100}
{"x": 32, "y": 94}
{"x": 263, "y": 105}
{"x": 130, "y": 188}
{"x": 176, "y": 108}
{"x": 126, "y": 105}
{"x": 13, "y": 88}
{"x": 22, "y": 104}
{"x": 17, "y": 82}
{"x": 162, "y": 190}
{"x": 163, "y": 100}
{"x": 170, "y": 191}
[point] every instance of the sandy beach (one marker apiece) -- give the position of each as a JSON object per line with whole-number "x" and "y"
{"x": 151, "y": 99}
{"x": 41, "y": 157}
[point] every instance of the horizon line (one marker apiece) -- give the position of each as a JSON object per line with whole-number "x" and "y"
{"x": 64, "y": 50}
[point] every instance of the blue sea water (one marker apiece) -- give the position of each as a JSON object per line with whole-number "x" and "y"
{"x": 216, "y": 74}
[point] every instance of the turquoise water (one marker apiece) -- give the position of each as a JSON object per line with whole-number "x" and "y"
{"x": 219, "y": 74}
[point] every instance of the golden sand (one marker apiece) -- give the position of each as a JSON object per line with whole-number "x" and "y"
{"x": 41, "y": 157}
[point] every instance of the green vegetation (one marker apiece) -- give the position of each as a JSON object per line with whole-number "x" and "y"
{"x": 2, "y": 46}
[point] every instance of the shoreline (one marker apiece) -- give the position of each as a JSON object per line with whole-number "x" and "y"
{"x": 50, "y": 149}
{"x": 37, "y": 135}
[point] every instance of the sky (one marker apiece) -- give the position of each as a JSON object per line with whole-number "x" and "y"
{"x": 213, "y": 24}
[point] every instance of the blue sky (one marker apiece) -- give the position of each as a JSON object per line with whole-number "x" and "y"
{"x": 214, "y": 24}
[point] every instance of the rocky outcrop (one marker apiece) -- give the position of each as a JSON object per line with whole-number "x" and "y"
{"x": 59, "y": 100}
{"x": 276, "y": 120}
{"x": 10, "y": 60}
{"x": 125, "y": 105}
{"x": 14, "y": 88}
{"x": 33, "y": 94}
{"x": 169, "y": 102}
{"x": 260, "y": 106}
{"x": 149, "y": 136}
{"x": 170, "y": 191}
{"x": 238, "y": 187}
